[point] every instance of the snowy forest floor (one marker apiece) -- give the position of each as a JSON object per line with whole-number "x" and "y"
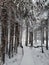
{"x": 31, "y": 56}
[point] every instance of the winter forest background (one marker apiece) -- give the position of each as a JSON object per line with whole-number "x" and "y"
{"x": 24, "y": 32}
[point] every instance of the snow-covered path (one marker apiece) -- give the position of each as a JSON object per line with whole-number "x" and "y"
{"x": 32, "y": 56}
{"x": 27, "y": 59}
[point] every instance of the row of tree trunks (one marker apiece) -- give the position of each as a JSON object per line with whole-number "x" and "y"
{"x": 6, "y": 46}
{"x": 11, "y": 39}
{"x": 42, "y": 36}
{"x": 11, "y": 45}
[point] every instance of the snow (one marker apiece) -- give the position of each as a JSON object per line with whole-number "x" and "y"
{"x": 29, "y": 55}
{"x": 40, "y": 58}
{"x": 16, "y": 60}
{"x": 32, "y": 56}
{"x": 27, "y": 59}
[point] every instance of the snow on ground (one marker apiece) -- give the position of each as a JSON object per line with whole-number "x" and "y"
{"x": 27, "y": 59}
{"x": 40, "y": 58}
{"x": 32, "y": 56}
{"x": 16, "y": 60}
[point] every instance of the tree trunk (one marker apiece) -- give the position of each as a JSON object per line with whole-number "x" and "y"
{"x": 3, "y": 36}
{"x": 11, "y": 32}
{"x": 42, "y": 29}
{"x": 35, "y": 36}
{"x": 31, "y": 38}
{"x": 47, "y": 35}
{"x": 3, "y": 44}
{"x": 6, "y": 39}
{"x": 26, "y": 35}
{"x": 0, "y": 56}
{"x": 16, "y": 37}
{"x": 11, "y": 39}
{"x": 20, "y": 36}
{"x": 43, "y": 35}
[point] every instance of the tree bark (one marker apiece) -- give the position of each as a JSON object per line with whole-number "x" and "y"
{"x": 26, "y": 35}
{"x": 47, "y": 35}
{"x": 11, "y": 33}
{"x": 35, "y": 36}
{"x": 31, "y": 38}
{"x": 20, "y": 36}
{"x": 6, "y": 38}
{"x": 43, "y": 35}
{"x": 42, "y": 29}
{"x": 3, "y": 36}
{"x": 16, "y": 37}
